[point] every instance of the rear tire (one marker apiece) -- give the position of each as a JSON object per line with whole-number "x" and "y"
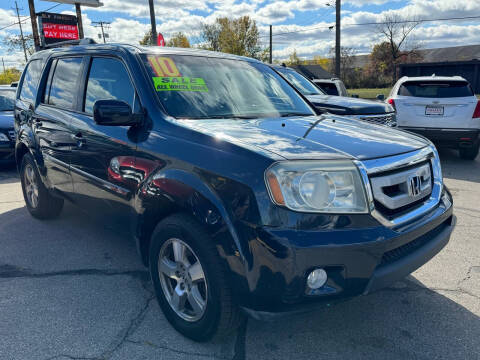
{"x": 40, "y": 203}
{"x": 470, "y": 153}
{"x": 218, "y": 314}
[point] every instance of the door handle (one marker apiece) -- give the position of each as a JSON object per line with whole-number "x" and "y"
{"x": 79, "y": 139}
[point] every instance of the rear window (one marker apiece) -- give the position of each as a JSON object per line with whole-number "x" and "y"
{"x": 436, "y": 89}
{"x": 329, "y": 88}
{"x": 63, "y": 88}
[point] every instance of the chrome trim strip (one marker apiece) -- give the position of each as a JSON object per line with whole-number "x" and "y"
{"x": 398, "y": 161}
{"x": 374, "y": 166}
{"x": 100, "y": 182}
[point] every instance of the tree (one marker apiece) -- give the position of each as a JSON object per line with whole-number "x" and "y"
{"x": 347, "y": 60}
{"x": 9, "y": 75}
{"x": 147, "y": 38}
{"x": 322, "y": 61}
{"x": 14, "y": 43}
{"x": 396, "y": 34}
{"x": 178, "y": 40}
{"x": 293, "y": 58}
{"x": 234, "y": 36}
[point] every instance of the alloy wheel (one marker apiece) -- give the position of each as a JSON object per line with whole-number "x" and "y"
{"x": 31, "y": 186}
{"x": 182, "y": 279}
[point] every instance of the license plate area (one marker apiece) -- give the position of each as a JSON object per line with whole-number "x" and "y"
{"x": 434, "y": 110}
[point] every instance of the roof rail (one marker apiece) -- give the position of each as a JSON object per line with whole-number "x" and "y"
{"x": 85, "y": 41}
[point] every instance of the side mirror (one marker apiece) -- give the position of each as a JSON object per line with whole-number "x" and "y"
{"x": 113, "y": 113}
{"x": 381, "y": 97}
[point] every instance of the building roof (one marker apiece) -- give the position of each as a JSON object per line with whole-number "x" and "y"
{"x": 313, "y": 71}
{"x": 454, "y": 53}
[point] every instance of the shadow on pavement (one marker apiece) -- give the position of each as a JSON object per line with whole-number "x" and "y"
{"x": 456, "y": 168}
{"x": 408, "y": 321}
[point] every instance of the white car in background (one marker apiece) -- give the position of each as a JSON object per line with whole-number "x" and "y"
{"x": 443, "y": 109}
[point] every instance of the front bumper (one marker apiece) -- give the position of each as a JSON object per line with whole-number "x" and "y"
{"x": 358, "y": 261}
{"x": 444, "y": 137}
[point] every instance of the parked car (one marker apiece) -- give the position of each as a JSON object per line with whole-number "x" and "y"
{"x": 359, "y": 109}
{"x": 240, "y": 198}
{"x": 333, "y": 86}
{"x": 7, "y": 133}
{"x": 443, "y": 109}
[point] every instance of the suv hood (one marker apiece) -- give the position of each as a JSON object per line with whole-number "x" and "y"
{"x": 313, "y": 137}
{"x": 342, "y": 105}
{"x": 6, "y": 119}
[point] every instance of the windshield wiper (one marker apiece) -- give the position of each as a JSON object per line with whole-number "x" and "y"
{"x": 226, "y": 116}
{"x": 295, "y": 114}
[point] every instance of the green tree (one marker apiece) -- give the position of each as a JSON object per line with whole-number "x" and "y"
{"x": 9, "y": 75}
{"x": 234, "y": 36}
{"x": 178, "y": 40}
{"x": 293, "y": 59}
{"x": 147, "y": 38}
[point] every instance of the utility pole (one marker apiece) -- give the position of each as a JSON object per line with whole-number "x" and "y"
{"x": 33, "y": 18}
{"x": 21, "y": 32}
{"x": 270, "y": 58}
{"x": 100, "y": 25}
{"x": 3, "y": 63}
{"x": 337, "y": 38}
{"x": 152, "y": 21}
{"x": 79, "y": 20}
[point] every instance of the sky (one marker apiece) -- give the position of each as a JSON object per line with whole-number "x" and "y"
{"x": 300, "y": 25}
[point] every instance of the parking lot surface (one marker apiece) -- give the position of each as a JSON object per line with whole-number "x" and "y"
{"x": 74, "y": 288}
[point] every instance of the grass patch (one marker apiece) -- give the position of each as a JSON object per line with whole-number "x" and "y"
{"x": 369, "y": 93}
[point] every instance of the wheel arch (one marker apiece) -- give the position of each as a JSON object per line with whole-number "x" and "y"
{"x": 173, "y": 191}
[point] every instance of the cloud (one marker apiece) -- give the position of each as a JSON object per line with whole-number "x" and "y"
{"x": 305, "y": 22}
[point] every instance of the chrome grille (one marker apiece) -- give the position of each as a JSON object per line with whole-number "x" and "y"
{"x": 11, "y": 134}
{"x": 390, "y": 205}
{"x": 384, "y": 119}
{"x": 403, "y": 187}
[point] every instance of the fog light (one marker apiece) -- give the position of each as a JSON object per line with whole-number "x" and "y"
{"x": 317, "y": 278}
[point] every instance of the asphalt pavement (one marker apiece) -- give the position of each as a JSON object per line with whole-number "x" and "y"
{"x": 74, "y": 288}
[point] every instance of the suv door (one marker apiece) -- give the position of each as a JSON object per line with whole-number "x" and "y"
{"x": 102, "y": 152}
{"x": 52, "y": 117}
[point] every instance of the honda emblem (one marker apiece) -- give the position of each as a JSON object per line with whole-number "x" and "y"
{"x": 414, "y": 185}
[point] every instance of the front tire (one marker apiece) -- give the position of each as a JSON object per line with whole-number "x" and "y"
{"x": 190, "y": 282}
{"x": 470, "y": 153}
{"x": 40, "y": 203}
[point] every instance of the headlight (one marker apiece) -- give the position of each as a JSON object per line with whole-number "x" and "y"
{"x": 317, "y": 186}
{"x": 3, "y": 137}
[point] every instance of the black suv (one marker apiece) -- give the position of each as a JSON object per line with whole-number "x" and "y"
{"x": 241, "y": 199}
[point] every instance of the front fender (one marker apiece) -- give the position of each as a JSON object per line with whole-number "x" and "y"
{"x": 171, "y": 191}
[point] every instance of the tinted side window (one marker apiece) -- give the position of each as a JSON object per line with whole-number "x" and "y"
{"x": 329, "y": 88}
{"x": 108, "y": 79}
{"x": 30, "y": 81}
{"x": 63, "y": 89}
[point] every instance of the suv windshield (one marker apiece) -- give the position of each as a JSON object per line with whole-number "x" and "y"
{"x": 197, "y": 87}
{"x": 300, "y": 82}
{"x": 7, "y": 100}
{"x": 435, "y": 89}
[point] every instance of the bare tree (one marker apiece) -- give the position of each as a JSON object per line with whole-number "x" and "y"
{"x": 397, "y": 31}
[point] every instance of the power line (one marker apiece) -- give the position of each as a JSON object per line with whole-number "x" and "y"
{"x": 377, "y": 23}
{"x": 28, "y": 17}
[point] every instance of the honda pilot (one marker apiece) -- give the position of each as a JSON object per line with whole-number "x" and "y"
{"x": 240, "y": 197}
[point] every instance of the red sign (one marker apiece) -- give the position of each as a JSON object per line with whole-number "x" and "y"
{"x": 60, "y": 31}
{"x": 160, "y": 40}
